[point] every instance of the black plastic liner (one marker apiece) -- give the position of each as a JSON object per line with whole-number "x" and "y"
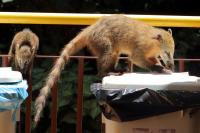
{"x": 131, "y": 104}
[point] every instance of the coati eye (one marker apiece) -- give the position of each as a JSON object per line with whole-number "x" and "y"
{"x": 158, "y": 37}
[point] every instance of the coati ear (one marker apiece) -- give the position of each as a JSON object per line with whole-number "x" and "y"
{"x": 170, "y": 31}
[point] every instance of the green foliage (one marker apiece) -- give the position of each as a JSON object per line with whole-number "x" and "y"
{"x": 67, "y": 94}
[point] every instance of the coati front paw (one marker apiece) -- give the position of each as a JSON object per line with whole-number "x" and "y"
{"x": 160, "y": 69}
{"x": 118, "y": 71}
{"x": 115, "y": 73}
{"x": 167, "y": 71}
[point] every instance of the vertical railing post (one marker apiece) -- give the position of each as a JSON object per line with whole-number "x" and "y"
{"x": 80, "y": 95}
{"x": 4, "y": 61}
{"x": 28, "y": 105}
{"x": 54, "y": 93}
{"x": 181, "y": 65}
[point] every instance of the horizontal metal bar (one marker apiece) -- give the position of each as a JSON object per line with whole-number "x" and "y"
{"x": 87, "y": 19}
{"x": 180, "y": 59}
{"x": 93, "y": 57}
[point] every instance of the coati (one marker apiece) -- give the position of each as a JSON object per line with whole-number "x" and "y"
{"x": 146, "y": 46}
{"x": 22, "y": 51}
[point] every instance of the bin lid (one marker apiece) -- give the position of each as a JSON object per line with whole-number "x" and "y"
{"x": 152, "y": 81}
{"x": 7, "y": 75}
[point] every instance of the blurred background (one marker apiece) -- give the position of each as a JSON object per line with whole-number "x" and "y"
{"x": 54, "y": 37}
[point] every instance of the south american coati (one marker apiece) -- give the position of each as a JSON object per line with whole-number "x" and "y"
{"x": 146, "y": 46}
{"x": 22, "y": 51}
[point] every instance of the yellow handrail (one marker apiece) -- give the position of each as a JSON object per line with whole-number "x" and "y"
{"x": 87, "y": 19}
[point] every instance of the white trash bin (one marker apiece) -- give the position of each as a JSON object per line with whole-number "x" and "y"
{"x": 7, "y": 125}
{"x": 13, "y": 91}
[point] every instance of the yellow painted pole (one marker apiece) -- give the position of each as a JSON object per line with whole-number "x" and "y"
{"x": 87, "y": 19}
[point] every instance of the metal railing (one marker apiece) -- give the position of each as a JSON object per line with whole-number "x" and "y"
{"x": 83, "y": 19}
{"x": 80, "y": 75}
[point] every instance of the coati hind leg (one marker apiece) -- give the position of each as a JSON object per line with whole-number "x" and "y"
{"x": 107, "y": 60}
{"x": 106, "y": 64}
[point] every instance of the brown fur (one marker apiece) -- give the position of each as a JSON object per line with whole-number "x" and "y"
{"x": 23, "y": 50}
{"x": 110, "y": 36}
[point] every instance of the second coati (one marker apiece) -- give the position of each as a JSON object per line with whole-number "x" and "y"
{"x": 146, "y": 46}
{"x": 22, "y": 51}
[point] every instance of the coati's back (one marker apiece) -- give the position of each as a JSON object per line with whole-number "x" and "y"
{"x": 140, "y": 41}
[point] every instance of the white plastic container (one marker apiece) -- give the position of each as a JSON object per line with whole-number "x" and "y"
{"x": 9, "y": 76}
{"x": 175, "y": 122}
{"x": 6, "y": 123}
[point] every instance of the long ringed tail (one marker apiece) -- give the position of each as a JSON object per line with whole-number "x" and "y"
{"x": 71, "y": 48}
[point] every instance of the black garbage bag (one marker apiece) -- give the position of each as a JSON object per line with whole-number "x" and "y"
{"x": 131, "y": 104}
